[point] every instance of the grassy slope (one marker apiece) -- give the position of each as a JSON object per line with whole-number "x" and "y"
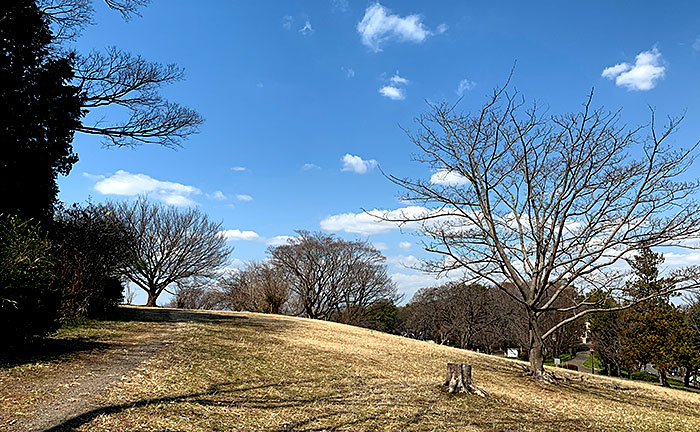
{"x": 235, "y": 371}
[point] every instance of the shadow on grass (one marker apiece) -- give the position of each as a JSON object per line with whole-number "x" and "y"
{"x": 147, "y": 314}
{"x": 48, "y": 349}
{"x": 335, "y": 409}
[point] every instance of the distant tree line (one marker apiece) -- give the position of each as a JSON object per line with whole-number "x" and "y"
{"x": 478, "y": 317}
{"x": 313, "y": 275}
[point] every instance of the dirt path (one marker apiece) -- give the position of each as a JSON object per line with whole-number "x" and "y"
{"x": 43, "y": 395}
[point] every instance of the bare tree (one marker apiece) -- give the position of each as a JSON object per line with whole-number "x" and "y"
{"x": 195, "y": 296}
{"x": 548, "y": 202}
{"x": 172, "y": 246}
{"x": 120, "y": 79}
{"x": 328, "y": 275}
{"x": 260, "y": 287}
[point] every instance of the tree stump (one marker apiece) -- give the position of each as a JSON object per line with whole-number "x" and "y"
{"x": 459, "y": 380}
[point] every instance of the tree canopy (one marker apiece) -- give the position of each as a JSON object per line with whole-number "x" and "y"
{"x": 39, "y": 112}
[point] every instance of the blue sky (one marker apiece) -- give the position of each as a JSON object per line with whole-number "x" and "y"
{"x": 304, "y": 101}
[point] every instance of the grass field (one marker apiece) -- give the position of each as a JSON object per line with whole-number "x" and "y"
{"x": 249, "y": 372}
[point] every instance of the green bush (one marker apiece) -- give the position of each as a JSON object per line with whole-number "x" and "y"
{"x": 29, "y": 294}
{"x": 644, "y": 376}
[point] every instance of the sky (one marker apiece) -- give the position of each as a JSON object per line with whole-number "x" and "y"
{"x": 306, "y": 103}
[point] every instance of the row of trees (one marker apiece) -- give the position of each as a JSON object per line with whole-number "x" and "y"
{"x": 314, "y": 275}
{"x": 478, "y": 317}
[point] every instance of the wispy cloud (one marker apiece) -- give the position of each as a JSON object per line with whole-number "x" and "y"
{"x": 244, "y": 197}
{"x": 238, "y": 168}
{"x": 356, "y": 164}
{"x": 646, "y": 71}
{"x": 349, "y": 72}
{"x": 123, "y": 183}
{"x": 309, "y": 167}
{"x": 379, "y": 26}
{"x": 307, "y": 29}
{"x": 397, "y": 79}
{"x": 405, "y": 245}
{"x": 464, "y": 86}
{"x": 217, "y": 195}
{"x": 393, "y": 93}
{"x": 287, "y": 22}
{"x": 340, "y": 5}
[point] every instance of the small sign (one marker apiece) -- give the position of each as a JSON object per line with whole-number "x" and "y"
{"x": 557, "y": 361}
{"x": 512, "y": 352}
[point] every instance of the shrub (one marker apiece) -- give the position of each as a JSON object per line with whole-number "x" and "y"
{"x": 644, "y": 376}
{"x": 29, "y": 294}
{"x": 93, "y": 247}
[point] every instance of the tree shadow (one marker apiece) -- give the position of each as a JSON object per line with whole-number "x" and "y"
{"x": 148, "y": 314}
{"x": 48, "y": 349}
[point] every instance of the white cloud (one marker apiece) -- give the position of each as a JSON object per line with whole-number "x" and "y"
{"x": 406, "y": 261}
{"x": 349, "y": 72}
{"x": 126, "y": 184}
{"x": 356, "y": 164}
{"x": 244, "y": 197}
{"x": 463, "y": 86}
{"x": 646, "y": 71}
{"x": 218, "y": 195}
{"x": 307, "y": 29}
{"x": 379, "y": 25}
{"x": 370, "y": 223}
{"x": 93, "y": 176}
{"x": 396, "y": 79}
{"x": 696, "y": 44}
{"x": 287, "y": 22}
{"x": 405, "y": 245}
{"x": 310, "y": 166}
{"x": 279, "y": 240}
{"x": 236, "y": 235}
{"x": 258, "y": 85}
{"x": 448, "y": 178}
{"x": 682, "y": 259}
{"x": 392, "y": 92}
{"x": 238, "y": 168}
{"x": 409, "y": 283}
{"x": 381, "y": 246}
{"x": 442, "y": 28}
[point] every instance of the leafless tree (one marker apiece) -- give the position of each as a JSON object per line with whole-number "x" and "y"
{"x": 328, "y": 275}
{"x": 260, "y": 287}
{"x": 195, "y": 296}
{"x": 120, "y": 79}
{"x": 548, "y": 202}
{"x": 172, "y": 246}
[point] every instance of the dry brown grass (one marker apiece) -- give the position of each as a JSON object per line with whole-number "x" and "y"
{"x": 249, "y": 372}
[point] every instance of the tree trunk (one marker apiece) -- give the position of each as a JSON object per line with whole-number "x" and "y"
{"x": 686, "y": 378}
{"x": 663, "y": 379}
{"x": 151, "y": 299}
{"x": 459, "y": 380}
{"x": 535, "y": 353}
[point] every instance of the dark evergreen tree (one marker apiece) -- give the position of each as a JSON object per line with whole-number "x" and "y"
{"x": 39, "y": 113}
